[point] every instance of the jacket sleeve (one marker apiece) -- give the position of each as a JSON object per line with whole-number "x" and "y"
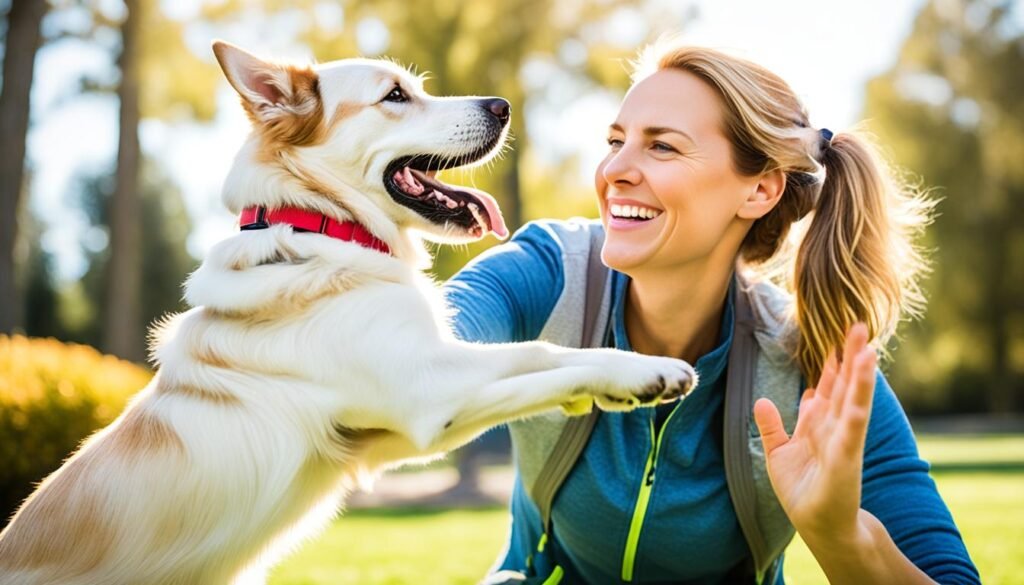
{"x": 507, "y": 293}
{"x": 899, "y": 492}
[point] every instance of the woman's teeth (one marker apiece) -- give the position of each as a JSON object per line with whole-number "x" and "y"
{"x": 633, "y": 212}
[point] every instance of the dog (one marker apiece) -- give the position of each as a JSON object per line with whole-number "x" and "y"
{"x": 317, "y": 353}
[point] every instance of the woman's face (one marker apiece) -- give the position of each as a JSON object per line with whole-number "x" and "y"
{"x": 669, "y": 160}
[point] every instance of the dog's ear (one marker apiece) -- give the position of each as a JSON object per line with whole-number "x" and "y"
{"x": 284, "y": 98}
{"x": 258, "y": 82}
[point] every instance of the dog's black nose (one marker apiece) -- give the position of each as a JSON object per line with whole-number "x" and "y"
{"x": 499, "y": 107}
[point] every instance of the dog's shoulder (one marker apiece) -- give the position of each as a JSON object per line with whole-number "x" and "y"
{"x": 280, "y": 272}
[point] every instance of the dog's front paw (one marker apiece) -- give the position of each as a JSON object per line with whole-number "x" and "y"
{"x": 645, "y": 381}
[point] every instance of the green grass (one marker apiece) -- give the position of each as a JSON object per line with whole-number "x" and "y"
{"x": 974, "y": 449}
{"x": 457, "y": 546}
{"x": 393, "y": 547}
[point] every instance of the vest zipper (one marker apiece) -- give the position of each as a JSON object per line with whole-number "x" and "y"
{"x": 640, "y": 510}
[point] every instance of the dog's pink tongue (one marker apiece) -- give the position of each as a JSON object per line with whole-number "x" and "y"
{"x": 494, "y": 217}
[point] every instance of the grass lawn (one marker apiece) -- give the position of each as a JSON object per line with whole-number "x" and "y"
{"x": 452, "y": 547}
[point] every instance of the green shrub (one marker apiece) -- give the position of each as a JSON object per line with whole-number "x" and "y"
{"x": 52, "y": 396}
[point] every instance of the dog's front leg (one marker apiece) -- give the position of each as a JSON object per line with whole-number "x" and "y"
{"x": 486, "y": 385}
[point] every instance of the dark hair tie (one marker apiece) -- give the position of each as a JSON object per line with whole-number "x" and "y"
{"x": 826, "y": 134}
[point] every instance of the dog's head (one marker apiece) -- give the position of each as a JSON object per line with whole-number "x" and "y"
{"x": 361, "y": 138}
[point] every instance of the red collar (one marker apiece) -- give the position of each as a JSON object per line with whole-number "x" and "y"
{"x": 259, "y": 218}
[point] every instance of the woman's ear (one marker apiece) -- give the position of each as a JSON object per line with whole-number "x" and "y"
{"x": 765, "y": 196}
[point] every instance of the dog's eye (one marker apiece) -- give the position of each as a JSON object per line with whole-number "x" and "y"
{"x": 396, "y": 95}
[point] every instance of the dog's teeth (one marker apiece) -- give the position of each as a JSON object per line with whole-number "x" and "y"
{"x": 413, "y": 186}
{"x": 407, "y": 183}
{"x": 452, "y": 204}
{"x": 475, "y": 210}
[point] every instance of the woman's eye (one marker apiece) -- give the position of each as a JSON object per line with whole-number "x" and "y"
{"x": 614, "y": 142}
{"x": 662, "y": 147}
{"x": 396, "y": 95}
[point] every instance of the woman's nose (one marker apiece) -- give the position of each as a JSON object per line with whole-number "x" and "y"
{"x": 621, "y": 167}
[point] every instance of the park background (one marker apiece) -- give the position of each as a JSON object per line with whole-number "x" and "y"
{"x": 117, "y": 128}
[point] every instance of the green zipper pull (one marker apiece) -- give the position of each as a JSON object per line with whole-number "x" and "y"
{"x": 643, "y": 498}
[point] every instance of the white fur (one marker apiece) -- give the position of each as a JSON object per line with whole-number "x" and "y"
{"x": 332, "y": 362}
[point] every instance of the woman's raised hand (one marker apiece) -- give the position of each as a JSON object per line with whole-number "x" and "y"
{"x": 816, "y": 473}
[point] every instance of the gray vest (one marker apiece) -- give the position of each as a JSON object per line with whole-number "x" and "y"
{"x": 760, "y": 365}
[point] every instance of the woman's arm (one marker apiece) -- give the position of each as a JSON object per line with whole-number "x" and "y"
{"x": 507, "y": 293}
{"x": 900, "y": 495}
{"x": 868, "y": 513}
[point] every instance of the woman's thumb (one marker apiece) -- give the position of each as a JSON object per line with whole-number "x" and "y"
{"x": 769, "y": 422}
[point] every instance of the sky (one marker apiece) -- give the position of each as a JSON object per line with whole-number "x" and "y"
{"x": 825, "y": 50}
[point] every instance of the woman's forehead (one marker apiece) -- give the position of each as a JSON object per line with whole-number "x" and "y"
{"x": 671, "y": 98}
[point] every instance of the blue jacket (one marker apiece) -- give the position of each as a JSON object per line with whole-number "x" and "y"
{"x": 690, "y": 533}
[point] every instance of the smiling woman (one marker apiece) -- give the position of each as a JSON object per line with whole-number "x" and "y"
{"x": 711, "y": 160}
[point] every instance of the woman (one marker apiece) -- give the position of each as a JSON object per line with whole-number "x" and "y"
{"x": 711, "y": 160}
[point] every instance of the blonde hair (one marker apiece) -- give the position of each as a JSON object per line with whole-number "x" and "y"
{"x": 857, "y": 259}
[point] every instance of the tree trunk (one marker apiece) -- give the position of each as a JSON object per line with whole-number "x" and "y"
{"x": 123, "y": 333}
{"x": 23, "y": 40}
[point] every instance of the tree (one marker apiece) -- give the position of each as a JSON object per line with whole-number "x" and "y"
{"x": 40, "y": 318}
{"x": 23, "y": 40}
{"x": 173, "y": 77}
{"x": 950, "y": 109}
{"x": 123, "y": 333}
{"x": 165, "y": 80}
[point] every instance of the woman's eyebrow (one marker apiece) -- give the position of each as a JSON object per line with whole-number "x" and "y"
{"x": 656, "y": 130}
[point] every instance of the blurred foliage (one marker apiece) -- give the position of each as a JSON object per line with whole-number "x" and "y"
{"x": 951, "y": 112}
{"x": 165, "y": 259}
{"x": 73, "y": 311}
{"x": 40, "y": 296}
{"x": 175, "y": 83}
{"x": 52, "y": 396}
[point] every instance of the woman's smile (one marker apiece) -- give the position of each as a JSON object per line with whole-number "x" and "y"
{"x": 630, "y": 214}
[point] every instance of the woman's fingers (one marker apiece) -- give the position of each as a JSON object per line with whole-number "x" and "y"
{"x": 769, "y": 422}
{"x": 806, "y": 412}
{"x": 856, "y": 339}
{"x": 827, "y": 380}
{"x": 865, "y": 379}
{"x": 857, "y": 410}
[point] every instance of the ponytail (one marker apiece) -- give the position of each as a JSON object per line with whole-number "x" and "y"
{"x": 858, "y": 260}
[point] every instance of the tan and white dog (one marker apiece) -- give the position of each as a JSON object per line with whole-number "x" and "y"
{"x": 309, "y": 363}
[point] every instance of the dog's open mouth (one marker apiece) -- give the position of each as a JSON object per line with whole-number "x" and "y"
{"x": 412, "y": 182}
